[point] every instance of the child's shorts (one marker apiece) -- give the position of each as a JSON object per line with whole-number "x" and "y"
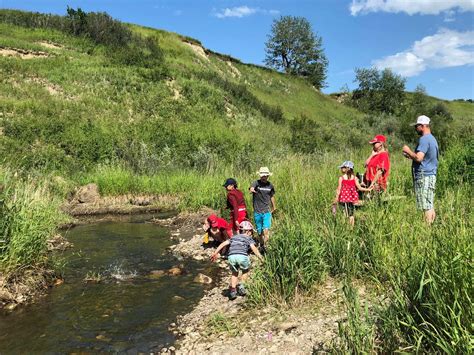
{"x": 348, "y": 208}
{"x": 262, "y": 221}
{"x": 238, "y": 262}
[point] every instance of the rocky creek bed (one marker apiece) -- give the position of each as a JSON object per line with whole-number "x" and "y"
{"x": 218, "y": 325}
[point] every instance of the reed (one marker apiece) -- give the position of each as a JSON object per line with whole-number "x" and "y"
{"x": 29, "y": 215}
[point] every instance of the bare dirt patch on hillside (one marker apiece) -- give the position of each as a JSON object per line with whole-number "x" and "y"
{"x": 173, "y": 86}
{"x": 198, "y": 50}
{"x": 22, "y": 53}
{"x": 50, "y": 45}
{"x": 233, "y": 70}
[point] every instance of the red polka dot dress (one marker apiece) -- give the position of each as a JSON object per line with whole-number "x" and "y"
{"x": 348, "y": 192}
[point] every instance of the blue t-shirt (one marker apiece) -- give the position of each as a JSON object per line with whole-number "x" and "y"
{"x": 429, "y": 165}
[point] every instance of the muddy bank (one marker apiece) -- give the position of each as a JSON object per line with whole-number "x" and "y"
{"x": 121, "y": 205}
{"x": 25, "y": 285}
{"x": 218, "y": 325}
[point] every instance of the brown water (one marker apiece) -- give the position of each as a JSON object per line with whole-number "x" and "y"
{"x": 128, "y": 311}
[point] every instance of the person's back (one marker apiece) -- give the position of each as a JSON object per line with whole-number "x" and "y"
{"x": 240, "y": 244}
{"x": 429, "y": 165}
{"x": 235, "y": 198}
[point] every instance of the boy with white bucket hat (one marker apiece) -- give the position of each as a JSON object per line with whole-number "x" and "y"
{"x": 263, "y": 193}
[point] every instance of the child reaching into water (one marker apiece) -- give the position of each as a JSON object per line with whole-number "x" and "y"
{"x": 346, "y": 194}
{"x": 238, "y": 257}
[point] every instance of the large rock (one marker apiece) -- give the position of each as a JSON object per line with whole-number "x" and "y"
{"x": 203, "y": 279}
{"x": 88, "y": 193}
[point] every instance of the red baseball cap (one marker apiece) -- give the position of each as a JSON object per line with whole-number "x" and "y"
{"x": 378, "y": 139}
{"x": 212, "y": 219}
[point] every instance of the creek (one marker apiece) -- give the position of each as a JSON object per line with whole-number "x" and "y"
{"x": 129, "y": 310}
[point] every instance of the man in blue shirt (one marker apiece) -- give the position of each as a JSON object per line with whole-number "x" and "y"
{"x": 424, "y": 167}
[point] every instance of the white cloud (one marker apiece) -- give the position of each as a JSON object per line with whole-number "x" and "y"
{"x": 444, "y": 49}
{"x": 411, "y": 7}
{"x": 239, "y": 12}
{"x": 449, "y": 16}
{"x": 242, "y": 11}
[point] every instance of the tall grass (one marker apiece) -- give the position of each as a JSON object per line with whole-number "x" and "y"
{"x": 426, "y": 272}
{"x": 29, "y": 215}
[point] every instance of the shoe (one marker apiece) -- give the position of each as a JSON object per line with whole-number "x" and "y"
{"x": 232, "y": 294}
{"x": 241, "y": 291}
{"x": 262, "y": 250}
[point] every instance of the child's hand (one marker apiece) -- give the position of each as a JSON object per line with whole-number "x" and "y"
{"x": 214, "y": 257}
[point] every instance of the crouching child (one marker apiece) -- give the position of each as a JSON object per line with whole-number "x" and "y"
{"x": 238, "y": 257}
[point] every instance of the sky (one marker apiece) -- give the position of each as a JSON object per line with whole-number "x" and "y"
{"x": 430, "y": 42}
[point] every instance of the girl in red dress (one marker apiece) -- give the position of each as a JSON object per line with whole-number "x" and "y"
{"x": 346, "y": 194}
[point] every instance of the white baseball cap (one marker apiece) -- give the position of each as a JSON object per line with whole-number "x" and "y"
{"x": 422, "y": 120}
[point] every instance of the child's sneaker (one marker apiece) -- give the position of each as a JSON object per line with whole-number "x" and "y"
{"x": 241, "y": 291}
{"x": 232, "y": 294}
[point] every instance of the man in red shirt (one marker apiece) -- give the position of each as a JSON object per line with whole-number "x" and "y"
{"x": 377, "y": 165}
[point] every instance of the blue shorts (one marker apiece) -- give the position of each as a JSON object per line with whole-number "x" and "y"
{"x": 238, "y": 262}
{"x": 262, "y": 221}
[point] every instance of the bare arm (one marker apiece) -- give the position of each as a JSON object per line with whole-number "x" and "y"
{"x": 256, "y": 252}
{"x": 360, "y": 187}
{"x": 219, "y": 248}
{"x": 378, "y": 174}
{"x": 273, "y": 204}
{"x": 418, "y": 156}
{"x": 338, "y": 191}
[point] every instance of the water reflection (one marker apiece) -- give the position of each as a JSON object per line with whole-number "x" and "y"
{"x": 126, "y": 310}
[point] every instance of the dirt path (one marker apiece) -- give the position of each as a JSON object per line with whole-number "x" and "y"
{"x": 218, "y": 325}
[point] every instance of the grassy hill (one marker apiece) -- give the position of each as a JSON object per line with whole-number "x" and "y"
{"x": 67, "y": 105}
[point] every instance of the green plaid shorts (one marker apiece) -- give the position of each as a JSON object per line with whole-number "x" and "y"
{"x": 424, "y": 192}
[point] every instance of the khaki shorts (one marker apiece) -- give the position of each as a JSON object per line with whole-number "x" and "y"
{"x": 424, "y": 192}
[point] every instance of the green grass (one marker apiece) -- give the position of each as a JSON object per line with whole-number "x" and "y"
{"x": 425, "y": 272}
{"x": 29, "y": 216}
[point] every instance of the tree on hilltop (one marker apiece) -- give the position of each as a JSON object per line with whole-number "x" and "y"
{"x": 378, "y": 91}
{"x": 294, "y": 48}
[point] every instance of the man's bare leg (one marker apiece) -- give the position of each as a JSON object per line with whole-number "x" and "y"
{"x": 430, "y": 216}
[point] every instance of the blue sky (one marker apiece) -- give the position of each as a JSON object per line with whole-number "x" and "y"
{"x": 431, "y": 42}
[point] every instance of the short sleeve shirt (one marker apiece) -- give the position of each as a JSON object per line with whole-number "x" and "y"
{"x": 262, "y": 197}
{"x": 429, "y": 165}
{"x": 240, "y": 244}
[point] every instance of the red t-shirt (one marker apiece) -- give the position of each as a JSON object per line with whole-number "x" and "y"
{"x": 223, "y": 227}
{"x": 380, "y": 161}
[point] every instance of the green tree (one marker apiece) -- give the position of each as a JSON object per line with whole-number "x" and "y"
{"x": 294, "y": 48}
{"x": 379, "y": 91}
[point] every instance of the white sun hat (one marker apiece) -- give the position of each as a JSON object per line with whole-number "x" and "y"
{"x": 264, "y": 171}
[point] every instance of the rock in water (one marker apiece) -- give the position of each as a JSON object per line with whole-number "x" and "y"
{"x": 175, "y": 271}
{"x": 203, "y": 279}
{"x": 156, "y": 274}
{"x": 88, "y": 193}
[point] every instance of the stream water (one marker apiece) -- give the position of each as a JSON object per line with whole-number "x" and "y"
{"x": 127, "y": 311}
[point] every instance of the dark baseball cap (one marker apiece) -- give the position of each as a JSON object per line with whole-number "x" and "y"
{"x": 230, "y": 181}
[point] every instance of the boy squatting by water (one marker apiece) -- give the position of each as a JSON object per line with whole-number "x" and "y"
{"x": 238, "y": 257}
{"x": 346, "y": 193}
